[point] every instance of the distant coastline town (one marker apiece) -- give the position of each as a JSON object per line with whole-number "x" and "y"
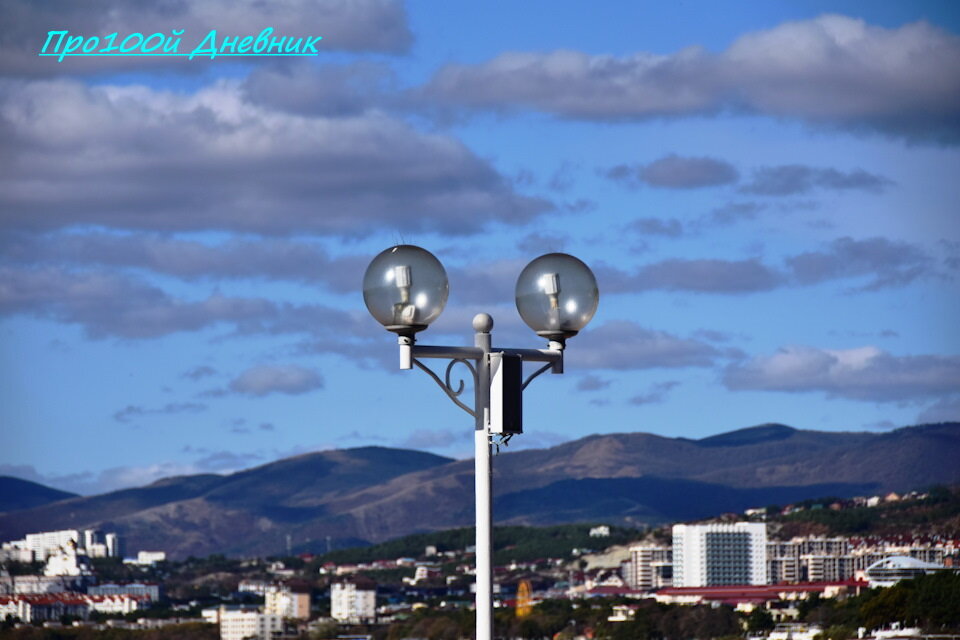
{"x": 741, "y": 569}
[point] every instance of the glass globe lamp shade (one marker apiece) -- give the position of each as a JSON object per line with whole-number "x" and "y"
{"x": 557, "y": 295}
{"x": 405, "y": 288}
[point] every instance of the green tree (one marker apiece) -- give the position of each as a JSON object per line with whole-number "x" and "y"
{"x": 934, "y": 600}
{"x": 326, "y": 630}
{"x": 887, "y": 606}
{"x": 840, "y": 632}
{"x": 760, "y": 620}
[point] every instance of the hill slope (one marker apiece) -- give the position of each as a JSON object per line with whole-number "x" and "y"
{"x": 376, "y": 494}
{"x": 18, "y": 494}
{"x": 203, "y": 514}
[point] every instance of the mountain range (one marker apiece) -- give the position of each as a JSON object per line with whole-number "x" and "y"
{"x": 16, "y": 494}
{"x": 370, "y": 494}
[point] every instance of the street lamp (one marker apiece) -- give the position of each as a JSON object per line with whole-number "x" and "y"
{"x": 557, "y": 296}
{"x": 405, "y": 288}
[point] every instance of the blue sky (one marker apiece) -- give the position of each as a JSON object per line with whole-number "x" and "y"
{"x": 766, "y": 191}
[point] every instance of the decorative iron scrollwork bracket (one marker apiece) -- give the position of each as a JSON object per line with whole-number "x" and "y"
{"x": 447, "y": 386}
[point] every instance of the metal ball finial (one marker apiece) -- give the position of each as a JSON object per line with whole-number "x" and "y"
{"x": 482, "y": 323}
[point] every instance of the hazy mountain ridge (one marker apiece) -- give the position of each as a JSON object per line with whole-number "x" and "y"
{"x": 16, "y": 494}
{"x": 750, "y": 435}
{"x": 204, "y": 513}
{"x": 637, "y": 500}
{"x": 376, "y": 493}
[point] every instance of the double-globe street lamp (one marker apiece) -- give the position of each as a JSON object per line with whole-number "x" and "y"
{"x": 405, "y": 288}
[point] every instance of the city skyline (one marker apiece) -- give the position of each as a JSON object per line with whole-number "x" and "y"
{"x": 766, "y": 192}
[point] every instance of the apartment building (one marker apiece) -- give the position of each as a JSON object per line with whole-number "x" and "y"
{"x": 287, "y": 603}
{"x": 242, "y": 623}
{"x": 820, "y": 559}
{"x": 650, "y": 567}
{"x": 353, "y": 601}
{"x": 40, "y": 546}
{"x": 719, "y": 554}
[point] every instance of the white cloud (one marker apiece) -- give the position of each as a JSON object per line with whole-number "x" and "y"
{"x": 199, "y": 372}
{"x": 626, "y": 345}
{"x": 677, "y": 172}
{"x": 864, "y": 373}
{"x": 591, "y": 382}
{"x": 265, "y": 379}
{"x": 704, "y": 275}
{"x": 882, "y": 262}
{"x": 795, "y": 179}
{"x": 654, "y": 394}
{"x": 112, "y": 479}
{"x": 126, "y": 477}
{"x": 136, "y": 158}
{"x": 265, "y": 258}
{"x": 330, "y": 90}
{"x": 888, "y": 263}
{"x": 944, "y": 410}
{"x": 671, "y": 228}
{"x": 108, "y": 304}
{"x": 832, "y": 70}
{"x": 132, "y": 412}
{"x": 437, "y": 439}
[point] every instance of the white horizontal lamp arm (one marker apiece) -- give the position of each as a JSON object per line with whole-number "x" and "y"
{"x": 457, "y": 353}
{"x": 473, "y": 353}
{"x": 552, "y": 356}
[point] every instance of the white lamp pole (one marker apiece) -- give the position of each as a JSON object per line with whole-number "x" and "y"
{"x": 483, "y": 481}
{"x": 405, "y": 288}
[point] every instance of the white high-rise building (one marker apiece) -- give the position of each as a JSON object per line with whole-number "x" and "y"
{"x": 90, "y": 538}
{"x": 47, "y": 543}
{"x": 353, "y": 601}
{"x": 287, "y": 603}
{"x": 650, "y": 567}
{"x": 40, "y": 546}
{"x": 707, "y": 555}
{"x": 113, "y": 545}
{"x": 243, "y": 623}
